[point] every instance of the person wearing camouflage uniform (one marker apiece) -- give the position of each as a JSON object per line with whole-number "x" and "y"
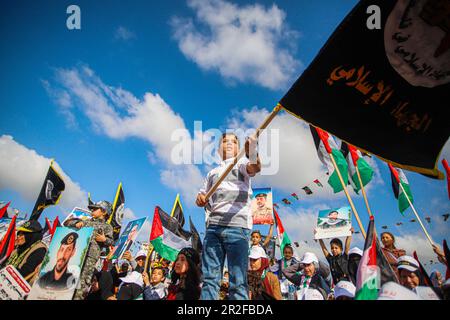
{"x": 102, "y": 237}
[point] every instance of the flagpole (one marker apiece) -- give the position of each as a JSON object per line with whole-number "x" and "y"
{"x": 363, "y": 232}
{"x": 264, "y": 125}
{"x": 363, "y": 191}
{"x": 417, "y": 215}
{"x": 149, "y": 253}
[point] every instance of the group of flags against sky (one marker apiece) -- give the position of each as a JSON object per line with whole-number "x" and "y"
{"x": 387, "y": 113}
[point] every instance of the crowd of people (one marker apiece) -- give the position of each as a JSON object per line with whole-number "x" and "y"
{"x": 249, "y": 273}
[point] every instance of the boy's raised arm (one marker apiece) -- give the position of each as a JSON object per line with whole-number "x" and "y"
{"x": 254, "y": 166}
{"x": 269, "y": 236}
{"x": 324, "y": 248}
{"x": 201, "y": 196}
{"x": 348, "y": 241}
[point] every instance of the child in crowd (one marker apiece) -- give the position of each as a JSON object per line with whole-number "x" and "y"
{"x": 256, "y": 238}
{"x": 338, "y": 259}
{"x": 287, "y": 288}
{"x": 263, "y": 284}
{"x": 103, "y": 238}
{"x": 154, "y": 288}
{"x": 185, "y": 282}
{"x": 228, "y": 219}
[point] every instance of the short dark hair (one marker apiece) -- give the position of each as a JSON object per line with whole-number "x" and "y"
{"x": 256, "y": 231}
{"x": 337, "y": 242}
{"x": 288, "y": 246}
{"x": 160, "y": 268}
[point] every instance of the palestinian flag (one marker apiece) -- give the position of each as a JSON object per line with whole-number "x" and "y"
{"x": 294, "y": 195}
{"x": 195, "y": 238}
{"x": 286, "y": 201}
{"x": 177, "y": 211}
{"x": 425, "y": 276}
{"x": 447, "y": 171}
{"x": 318, "y": 183}
{"x": 374, "y": 270}
{"x": 167, "y": 236}
{"x": 307, "y": 190}
{"x": 116, "y": 217}
{"x": 355, "y": 159}
{"x": 7, "y": 242}
{"x": 398, "y": 177}
{"x": 368, "y": 277}
{"x": 325, "y": 146}
{"x": 4, "y": 210}
{"x": 282, "y": 235}
{"x": 50, "y": 194}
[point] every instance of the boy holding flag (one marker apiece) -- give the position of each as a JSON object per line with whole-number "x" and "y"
{"x": 228, "y": 220}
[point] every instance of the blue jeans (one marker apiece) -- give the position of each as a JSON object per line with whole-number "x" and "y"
{"x": 219, "y": 242}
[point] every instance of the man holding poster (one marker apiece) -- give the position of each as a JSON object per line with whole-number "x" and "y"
{"x": 335, "y": 223}
{"x": 127, "y": 237}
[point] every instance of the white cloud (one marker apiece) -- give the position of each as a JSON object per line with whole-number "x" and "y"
{"x": 123, "y": 33}
{"x": 118, "y": 114}
{"x": 23, "y": 170}
{"x": 419, "y": 243}
{"x": 243, "y": 43}
{"x": 187, "y": 180}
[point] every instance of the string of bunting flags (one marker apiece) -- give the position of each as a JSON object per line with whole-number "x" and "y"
{"x": 308, "y": 189}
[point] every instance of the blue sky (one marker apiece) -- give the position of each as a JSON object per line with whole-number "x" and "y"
{"x": 102, "y": 101}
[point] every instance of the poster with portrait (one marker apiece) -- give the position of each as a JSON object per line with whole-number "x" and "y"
{"x": 12, "y": 285}
{"x": 127, "y": 237}
{"x": 62, "y": 265}
{"x": 78, "y": 214}
{"x": 262, "y": 206}
{"x": 334, "y": 223}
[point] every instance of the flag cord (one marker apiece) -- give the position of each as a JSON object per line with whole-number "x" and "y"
{"x": 264, "y": 125}
{"x": 417, "y": 216}
{"x": 363, "y": 232}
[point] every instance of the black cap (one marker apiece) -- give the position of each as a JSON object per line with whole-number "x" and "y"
{"x": 70, "y": 238}
{"x": 30, "y": 226}
{"x": 261, "y": 195}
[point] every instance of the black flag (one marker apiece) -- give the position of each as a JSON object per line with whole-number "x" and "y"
{"x": 115, "y": 219}
{"x": 90, "y": 202}
{"x": 177, "y": 211}
{"x": 50, "y": 192}
{"x": 195, "y": 238}
{"x": 384, "y": 90}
